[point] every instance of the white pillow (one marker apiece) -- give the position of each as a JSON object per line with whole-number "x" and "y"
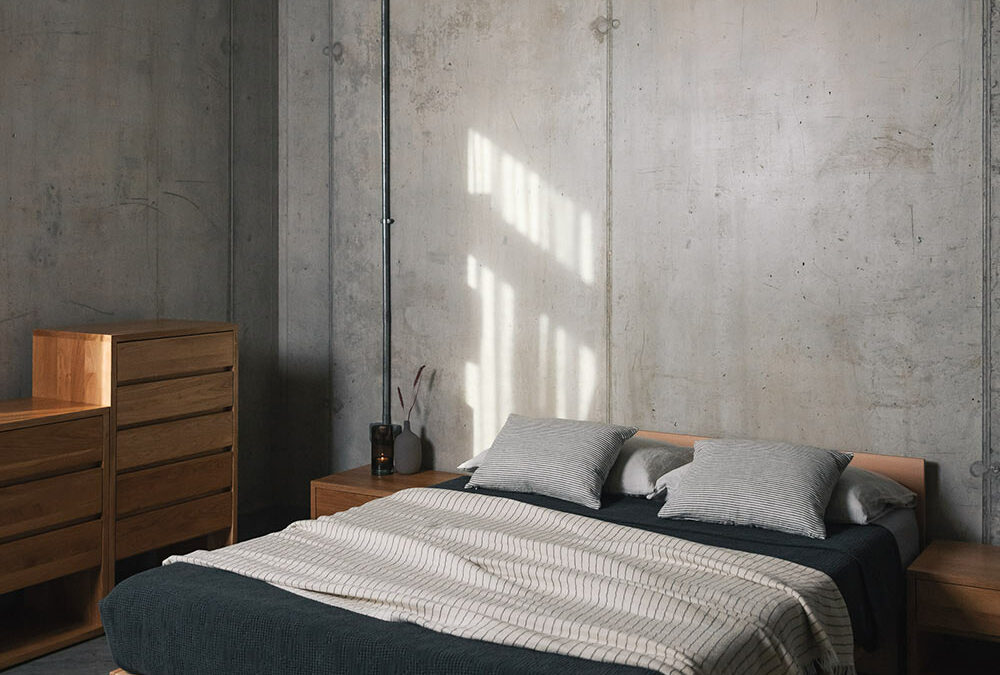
{"x": 474, "y": 463}
{"x": 861, "y": 496}
{"x": 668, "y": 481}
{"x": 641, "y": 462}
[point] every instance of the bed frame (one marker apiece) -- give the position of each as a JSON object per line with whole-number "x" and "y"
{"x": 908, "y": 471}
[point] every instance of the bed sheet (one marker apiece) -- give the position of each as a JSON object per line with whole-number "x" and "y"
{"x": 187, "y": 619}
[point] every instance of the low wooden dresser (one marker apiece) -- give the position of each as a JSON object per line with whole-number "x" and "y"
{"x": 171, "y": 387}
{"x": 55, "y": 561}
{"x": 341, "y": 491}
{"x": 954, "y": 588}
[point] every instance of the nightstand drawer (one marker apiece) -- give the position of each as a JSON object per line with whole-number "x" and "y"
{"x": 25, "y": 562}
{"x": 50, "y": 448}
{"x": 170, "y": 483}
{"x": 329, "y": 501}
{"x": 164, "y": 357}
{"x": 40, "y": 504}
{"x": 960, "y": 609}
{"x": 156, "y": 443}
{"x": 172, "y": 524}
{"x": 164, "y": 399}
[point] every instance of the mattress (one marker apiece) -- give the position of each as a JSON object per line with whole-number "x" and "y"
{"x": 187, "y": 619}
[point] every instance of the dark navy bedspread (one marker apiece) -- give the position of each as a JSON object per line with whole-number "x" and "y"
{"x": 189, "y": 619}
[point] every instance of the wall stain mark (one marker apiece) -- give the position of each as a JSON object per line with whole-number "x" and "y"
{"x": 187, "y": 199}
{"x": 93, "y": 309}
{"x": 16, "y": 317}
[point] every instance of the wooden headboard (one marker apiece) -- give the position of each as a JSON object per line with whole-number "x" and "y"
{"x": 907, "y": 471}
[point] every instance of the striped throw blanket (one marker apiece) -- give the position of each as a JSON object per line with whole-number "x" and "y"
{"x": 498, "y": 570}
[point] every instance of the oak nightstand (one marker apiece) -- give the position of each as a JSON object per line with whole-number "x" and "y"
{"x": 952, "y": 588}
{"x": 341, "y": 491}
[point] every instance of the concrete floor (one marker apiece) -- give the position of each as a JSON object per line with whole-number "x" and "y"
{"x": 87, "y": 658}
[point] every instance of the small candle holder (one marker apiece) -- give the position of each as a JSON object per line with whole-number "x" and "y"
{"x": 382, "y": 437}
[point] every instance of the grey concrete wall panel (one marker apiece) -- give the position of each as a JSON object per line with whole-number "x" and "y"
{"x": 255, "y": 246}
{"x": 356, "y": 277}
{"x": 991, "y": 454}
{"x": 498, "y": 192}
{"x": 304, "y": 260}
{"x": 797, "y": 229}
{"x": 114, "y": 167}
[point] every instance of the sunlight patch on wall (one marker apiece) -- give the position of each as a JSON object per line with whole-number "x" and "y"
{"x": 489, "y": 387}
{"x": 559, "y": 377}
{"x": 535, "y": 209}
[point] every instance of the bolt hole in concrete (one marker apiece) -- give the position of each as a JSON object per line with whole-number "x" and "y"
{"x": 602, "y": 25}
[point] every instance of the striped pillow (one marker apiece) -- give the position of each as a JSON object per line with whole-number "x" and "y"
{"x": 777, "y": 486}
{"x": 565, "y": 459}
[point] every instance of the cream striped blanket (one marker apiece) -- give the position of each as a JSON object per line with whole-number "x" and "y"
{"x": 495, "y": 569}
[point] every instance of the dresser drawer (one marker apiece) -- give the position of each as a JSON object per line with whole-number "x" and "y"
{"x": 959, "y": 609}
{"x": 149, "y": 488}
{"x": 32, "y": 560}
{"x": 172, "y": 524}
{"x": 164, "y": 399}
{"x": 40, "y": 504}
{"x": 156, "y": 443}
{"x": 50, "y": 448}
{"x": 166, "y": 357}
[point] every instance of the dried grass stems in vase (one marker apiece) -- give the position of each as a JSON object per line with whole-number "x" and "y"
{"x": 407, "y": 450}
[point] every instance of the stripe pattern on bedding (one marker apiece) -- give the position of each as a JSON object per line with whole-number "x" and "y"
{"x": 494, "y": 569}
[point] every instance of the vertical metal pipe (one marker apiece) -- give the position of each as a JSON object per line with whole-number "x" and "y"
{"x": 386, "y": 222}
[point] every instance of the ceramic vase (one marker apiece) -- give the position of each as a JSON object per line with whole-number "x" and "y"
{"x": 407, "y": 451}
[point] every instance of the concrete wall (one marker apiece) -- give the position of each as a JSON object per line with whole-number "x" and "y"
{"x": 115, "y": 180}
{"x": 714, "y": 217}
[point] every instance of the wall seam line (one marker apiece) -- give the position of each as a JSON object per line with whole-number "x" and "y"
{"x": 987, "y": 505}
{"x": 329, "y": 230}
{"x": 231, "y": 291}
{"x": 608, "y": 201}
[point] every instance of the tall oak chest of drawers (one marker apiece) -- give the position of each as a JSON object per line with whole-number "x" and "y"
{"x": 171, "y": 387}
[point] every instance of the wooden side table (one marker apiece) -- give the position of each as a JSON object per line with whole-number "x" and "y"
{"x": 341, "y": 491}
{"x": 953, "y": 588}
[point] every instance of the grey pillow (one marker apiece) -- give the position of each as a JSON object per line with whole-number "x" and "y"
{"x": 668, "y": 482}
{"x": 641, "y": 462}
{"x": 565, "y": 459}
{"x": 861, "y": 496}
{"x": 778, "y": 486}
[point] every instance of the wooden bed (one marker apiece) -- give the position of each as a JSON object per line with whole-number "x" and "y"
{"x": 908, "y": 471}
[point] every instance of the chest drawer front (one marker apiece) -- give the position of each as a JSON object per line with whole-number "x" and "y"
{"x": 151, "y": 401}
{"x": 168, "y": 441}
{"x": 331, "y": 501}
{"x": 161, "y": 485}
{"x": 961, "y": 609}
{"x": 165, "y": 357}
{"x": 172, "y": 524}
{"x": 32, "y": 560}
{"x": 50, "y": 448}
{"x": 39, "y": 504}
